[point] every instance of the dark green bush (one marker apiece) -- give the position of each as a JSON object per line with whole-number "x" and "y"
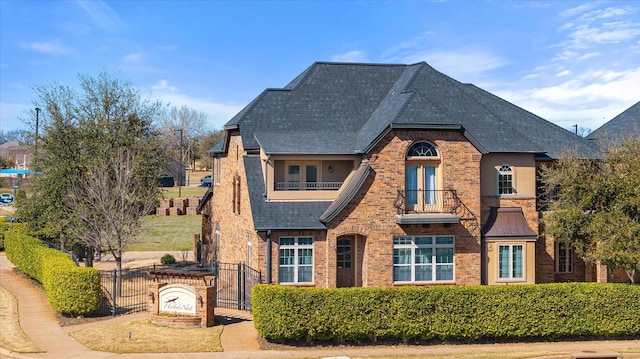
{"x": 69, "y": 288}
{"x": 283, "y": 313}
{"x": 167, "y": 259}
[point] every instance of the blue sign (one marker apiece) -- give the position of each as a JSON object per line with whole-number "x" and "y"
{"x": 6, "y": 198}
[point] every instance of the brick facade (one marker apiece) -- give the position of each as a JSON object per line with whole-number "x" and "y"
{"x": 369, "y": 217}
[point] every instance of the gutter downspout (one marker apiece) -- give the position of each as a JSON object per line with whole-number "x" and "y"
{"x": 268, "y": 276}
{"x": 266, "y": 175}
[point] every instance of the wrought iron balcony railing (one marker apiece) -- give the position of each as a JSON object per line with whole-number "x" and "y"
{"x": 426, "y": 201}
{"x": 308, "y": 186}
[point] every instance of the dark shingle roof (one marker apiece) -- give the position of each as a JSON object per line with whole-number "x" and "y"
{"x": 342, "y": 108}
{"x": 626, "y": 123}
{"x": 279, "y": 215}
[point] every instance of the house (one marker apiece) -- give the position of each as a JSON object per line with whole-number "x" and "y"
{"x": 626, "y": 123}
{"x": 16, "y": 153}
{"x": 382, "y": 175}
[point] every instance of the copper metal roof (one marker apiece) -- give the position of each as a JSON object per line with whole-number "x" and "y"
{"x": 507, "y": 222}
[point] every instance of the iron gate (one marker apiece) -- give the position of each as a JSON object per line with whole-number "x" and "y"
{"x": 233, "y": 284}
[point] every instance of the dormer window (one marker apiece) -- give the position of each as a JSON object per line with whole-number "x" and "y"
{"x": 505, "y": 180}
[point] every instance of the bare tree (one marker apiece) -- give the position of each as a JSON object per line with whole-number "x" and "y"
{"x": 182, "y": 129}
{"x": 111, "y": 201}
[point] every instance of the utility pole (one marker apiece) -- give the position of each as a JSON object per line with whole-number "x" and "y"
{"x": 576, "y": 126}
{"x": 35, "y": 150}
{"x": 180, "y": 168}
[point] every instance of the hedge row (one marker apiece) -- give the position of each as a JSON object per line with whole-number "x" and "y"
{"x": 70, "y": 289}
{"x": 283, "y": 313}
{"x": 7, "y": 228}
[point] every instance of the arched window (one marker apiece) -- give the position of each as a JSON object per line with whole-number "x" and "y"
{"x": 422, "y": 149}
{"x": 505, "y": 180}
{"x": 420, "y": 177}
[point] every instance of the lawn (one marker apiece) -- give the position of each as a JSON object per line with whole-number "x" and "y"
{"x": 141, "y": 336}
{"x": 166, "y": 233}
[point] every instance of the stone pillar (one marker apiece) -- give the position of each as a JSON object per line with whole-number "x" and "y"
{"x": 602, "y": 273}
{"x": 205, "y": 308}
{"x": 197, "y": 248}
{"x": 153, "y": 301}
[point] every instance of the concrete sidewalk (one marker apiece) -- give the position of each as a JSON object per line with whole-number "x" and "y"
{"x": 239, "y": 337}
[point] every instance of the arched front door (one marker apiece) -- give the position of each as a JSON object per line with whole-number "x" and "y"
{"x": 345, "y": 271}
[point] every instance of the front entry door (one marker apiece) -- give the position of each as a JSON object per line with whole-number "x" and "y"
{"x": 345, "y": 266}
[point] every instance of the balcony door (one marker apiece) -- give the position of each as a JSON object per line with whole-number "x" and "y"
{"x": 420, "y": 186}
{"x": 302, "y": 175}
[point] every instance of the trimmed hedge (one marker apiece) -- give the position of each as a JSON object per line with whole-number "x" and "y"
{"x": 70, "y": 289}
{"x": 283, "y": 313}
{"x": 7, "y": 228}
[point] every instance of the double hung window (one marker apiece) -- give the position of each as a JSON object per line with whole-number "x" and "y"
{"x": 423, "y": 259}
{"x": 295, "y": 260}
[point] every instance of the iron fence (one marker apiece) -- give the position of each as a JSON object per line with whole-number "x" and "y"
{"x": 232, "y": 283}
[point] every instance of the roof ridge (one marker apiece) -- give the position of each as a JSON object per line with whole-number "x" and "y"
{"x": 398, "y": 90}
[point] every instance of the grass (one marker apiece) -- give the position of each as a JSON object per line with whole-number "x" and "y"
{"x": 141, "y": 336}
{"x": 166, "y": 233}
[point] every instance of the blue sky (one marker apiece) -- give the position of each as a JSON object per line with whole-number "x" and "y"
{"x": 571, "y": 62}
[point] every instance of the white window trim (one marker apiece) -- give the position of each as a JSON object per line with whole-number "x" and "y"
{"x": 511, "y": 278}
{"x": 511, "y": 172}
{"x": 296, "y": 246}
{"x": 413, "y": 246}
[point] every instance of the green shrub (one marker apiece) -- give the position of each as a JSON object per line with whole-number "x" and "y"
{"x": 69, "y": 288}
{"x": 167, "y": 259}
{"x": 467, "y": 313}
{"x": 7, "y": 228}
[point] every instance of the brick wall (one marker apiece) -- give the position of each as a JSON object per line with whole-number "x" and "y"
{"x": 234, "y": 225}
{"x": 371, "y": 213}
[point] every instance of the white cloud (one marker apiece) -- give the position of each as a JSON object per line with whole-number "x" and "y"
{"x": 563, "y": 73}
{"x": 217, "y": 113}
{"x": 464, "y": 64}
{"x": 103, "y": 14}
{"x": 588, "y": 99}
{"x": 163, "y": 86}
{"x": 599, "y": 26}
{"x": 575, "y": 11}
{"x": 351, "y": 56}
{"x": 53, "y": 47}
{"x": 133, "y": 57}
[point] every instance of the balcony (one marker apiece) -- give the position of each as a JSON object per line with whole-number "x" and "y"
{"x": 426, "y": 206}
{"x": 308, "y": 186}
